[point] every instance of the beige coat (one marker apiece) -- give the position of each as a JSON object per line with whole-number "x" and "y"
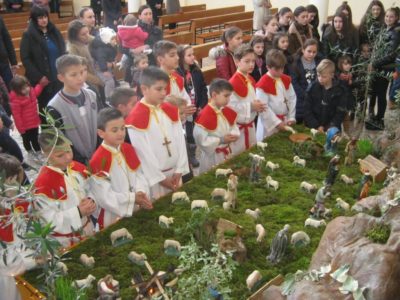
{"x": 260, "y": 13}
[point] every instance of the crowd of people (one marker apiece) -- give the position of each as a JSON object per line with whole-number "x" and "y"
{"x": 110, "y": 150}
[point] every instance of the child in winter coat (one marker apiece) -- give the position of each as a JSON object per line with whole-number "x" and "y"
{"x": 141, "y": 62}
{"x": 260, "y": 68}
{"x": 281, "y": 42}
{"x": 24, "y": 107}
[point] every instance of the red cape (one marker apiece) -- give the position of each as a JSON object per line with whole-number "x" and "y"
{"x": 7, "y": 231}
{"x": 268, "y": 84}
{"x": 102, "y": 159}
{"x": 240, "y": 83}
{"x": 139, "y": 117}
{"x": 208, "y": 118}
{"x": 178, "y": 79}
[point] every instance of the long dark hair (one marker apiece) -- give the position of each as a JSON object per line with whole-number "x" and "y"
{"x": 311, "y": 8}
{"x": 181, "y": 53}
{"x": 229, "y": 34}
{"x": 368, "y": 13}
{"x": 74, "y": 28}
{"x": 345, "y": 6}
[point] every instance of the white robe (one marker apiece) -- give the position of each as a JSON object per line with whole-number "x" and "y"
{"x": 116, "y": 192}
{"x": 268, "y": 120}
{"x": 153, "y": 155}
{"x": 209, "y": 141}
{"x": 245, "y": 115}
{"x": 64, "y": 214}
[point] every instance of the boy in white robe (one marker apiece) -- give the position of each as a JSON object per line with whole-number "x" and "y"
{"x": 243, "y": 99}
{"x": 276, "y": 91}
{"x": 215, "y": 128}
{"x": 155, "y": 131}
{"x": 117, "y": 180}
{"x": 61, "y": 190}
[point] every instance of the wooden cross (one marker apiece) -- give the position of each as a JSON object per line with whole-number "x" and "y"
{"x": 166, "y": 144}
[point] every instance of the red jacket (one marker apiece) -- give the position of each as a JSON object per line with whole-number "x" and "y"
{"x": 226, "y": 66}
{"x": 131, "y": 36}
{"x": 25, "y": 109}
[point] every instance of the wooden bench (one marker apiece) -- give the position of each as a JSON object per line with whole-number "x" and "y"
{"x": 181, "y": 38}
{"x": 19, "y": 19}
{"x": 24, "y": 25}
{"x": 186, "y": 17}
{"x": 211, "y": 28}
{"x": 245, "y": 25}
{"x": 16, "y": 33}
{"x": 66, "y": 9}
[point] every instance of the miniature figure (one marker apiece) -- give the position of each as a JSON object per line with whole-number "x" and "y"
{"x": 108, "y": 288}
{"x": 279, "y": 245}
{"x": 318, "y": 210}
{"x": 332, "y": 140}
{"x": 350, "y": 149}
{"x": 333, "y": 170}
{"x": 365, "y": 184}
{"x": 255, "y": 167}
{"x": 391, "y": 174}
{"x": 231, "y": 195}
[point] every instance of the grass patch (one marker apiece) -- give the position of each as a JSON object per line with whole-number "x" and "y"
{"x": 288, "y": 205}
{"x": 379, "y": 233}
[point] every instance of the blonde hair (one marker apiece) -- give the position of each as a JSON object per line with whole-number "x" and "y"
{"x": 326, "y": 66}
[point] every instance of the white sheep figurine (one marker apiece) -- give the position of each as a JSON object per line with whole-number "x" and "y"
{"x": 272, "y": 183}
{"x": 346, "y": 179}
{"x": 300, "y": 238}
{"x": 172, "y": 243}
{"x": 262, "y": 145}
{"x": 120, "y": 233}
{"x": 255, "y": 214}
{"x": 327, "y": 213}
{"x": 260, "y": 233}
{"x": 308, "y": 187}
{"x": 165, "y": 221}
{"x": 297, "y": 161}
{"x": 314, "y": 223}
{"x": 223, "y": 172}
{"x": 86, "y": 260}
{"x": 290, "y": 129}
{"x": 340, "y": 203}
{"x": 270, "y": 165}
{"x": 62, "y": 267}
{"x": 199, "y": 204}
{"x": 84, "y": 283}
{"x": 218, "y": 193}
{"x": 314, "y": 132}
{"x": 253, "y": 278}
{"x": 226, "y": 205}
{"x": 180, "y": 196}
{"x": 136, "y": 257}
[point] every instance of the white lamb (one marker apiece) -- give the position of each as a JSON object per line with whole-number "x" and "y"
{"x": 272, "y": 183}
{"x": 300, "y": 238}
{"x": 136, "y": 257}
{"x": 226, "y": 205}
{"x": 270, "y": 165}
{"x": 297, "y": 161}
{"x": 172, "y": 243}
{"x": 86, "y": 260}
{"x": 314, "y": 223}
{"x": 253, "y": 278}
{"x": 340, "y": 203}
{"x": 62, "y": 267}
{"x": 260, "y": 233}
{"x": 255, "y": 214}
{"x": 311, "y": 188}
{"x": 314, "y": 132}
{"x": 120, "y": 233}
{"x": 165, "y": 221}
{"x": 180, "y": 196}
{"x": 218, "y": 193}
{"x": 346, "y": 179}
{"x": 84, "y": 283}
{"x": 223, "y": 172}
{"x": 262, "y": 145}
{"x": 199, "y": 204}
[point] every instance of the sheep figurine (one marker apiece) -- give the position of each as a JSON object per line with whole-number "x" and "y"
{"x": 270, "y": 165}
{"x": 86, "y": 260}
{"x": 262, "y": 145}
{"x": 297, "y": 161}
{"x": 346, "y": 179}
{"x": 222, "y": 172}
{"x": 327, "y": 213}
{"x": 84, "y": 283}
{"x": 314, "y": 132}
{"x": 260, "y": 233}
{"x": 120, "y": 233}
{"x": 218, "y": 193}
{"x": 252, "y": 279}
{"x": 137, "y": 258}
{"x": 173, "y": 244}
{"x": 180, "y": 196}
{"x": 300, "y": 238}
{"x": 308, "y": 187}
{"x": 164, "y": 221}
{"x": 272, "y": 183}
{"x": 255, "y": 214}
{"x": 290, "y": 129}
{"x": 340, "y": 203}
{"x": 62, "y": 267}
{"x": 199, "y": 204}
{"x": 314, "y": 223}
{"x": 226, "y": 205}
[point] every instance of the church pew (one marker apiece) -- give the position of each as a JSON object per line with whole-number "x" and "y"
{"x": 20, "y": 19}
{"x": 211, "y": 28}
{"x": 181, "y": 38}
{"x": 186, "y": 17}
{"x": 16, "y": 33}
{"x": 67, "y": 9}
{"x": 245, "y": 25}
{"x": 24, "y": 25}
{"x": 185, "y": 9}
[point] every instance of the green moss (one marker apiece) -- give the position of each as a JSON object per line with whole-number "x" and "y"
{"x": 288, "y": 205}
{"x": 365, "y": 147}
{"x": 379, "y": 233}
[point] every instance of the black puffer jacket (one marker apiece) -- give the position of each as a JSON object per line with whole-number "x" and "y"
{"x": 34, "y": 52}
{"x": 392, "y": 39}
{"x": 102, "y": 53}
{"x": 7, "y": 52}
{"x": 323, "y": 107}
{"x": 200, "y": 87}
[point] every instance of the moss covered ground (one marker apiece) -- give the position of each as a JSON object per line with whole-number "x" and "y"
{"x": 288, "y": 205}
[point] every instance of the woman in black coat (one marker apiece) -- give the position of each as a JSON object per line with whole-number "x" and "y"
{"x": 41, "y": 44}
{"x": 156, "y": 8}
{"x": 112, "y": 12}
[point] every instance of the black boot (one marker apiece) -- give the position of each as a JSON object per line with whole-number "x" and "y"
{"x": 192, "y": 156}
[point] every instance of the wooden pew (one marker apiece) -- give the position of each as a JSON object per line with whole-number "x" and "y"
{"x": 67, "y": 8}
{"x": 181, "y": 38}
{"x": 245, "y": 25}
{"x": 211, "y": 28}
{"x": 186, "y": 17}
{"x": 17, "y": 33}
{"x": 20, "y": 19}
{"x": 24, "y": 24}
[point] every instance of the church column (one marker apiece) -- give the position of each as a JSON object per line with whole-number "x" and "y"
{"x": 133, "y": 5}
{"x": 322, "y": 6}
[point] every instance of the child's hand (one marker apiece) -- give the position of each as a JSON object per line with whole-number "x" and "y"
{"x": 190, "y": 110}
{"x": 229, "y": 138}
{"x": 87, "y": 207}
{"x": 258, "y": 106}
{"x": 281, "y": 126}
{"x": 176, "y": 179}
{"x": 168, "y": 183}
{"x": 143, "y": 201}
{"x": 290, "y": 123}
{"x": 44, "y": 81}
